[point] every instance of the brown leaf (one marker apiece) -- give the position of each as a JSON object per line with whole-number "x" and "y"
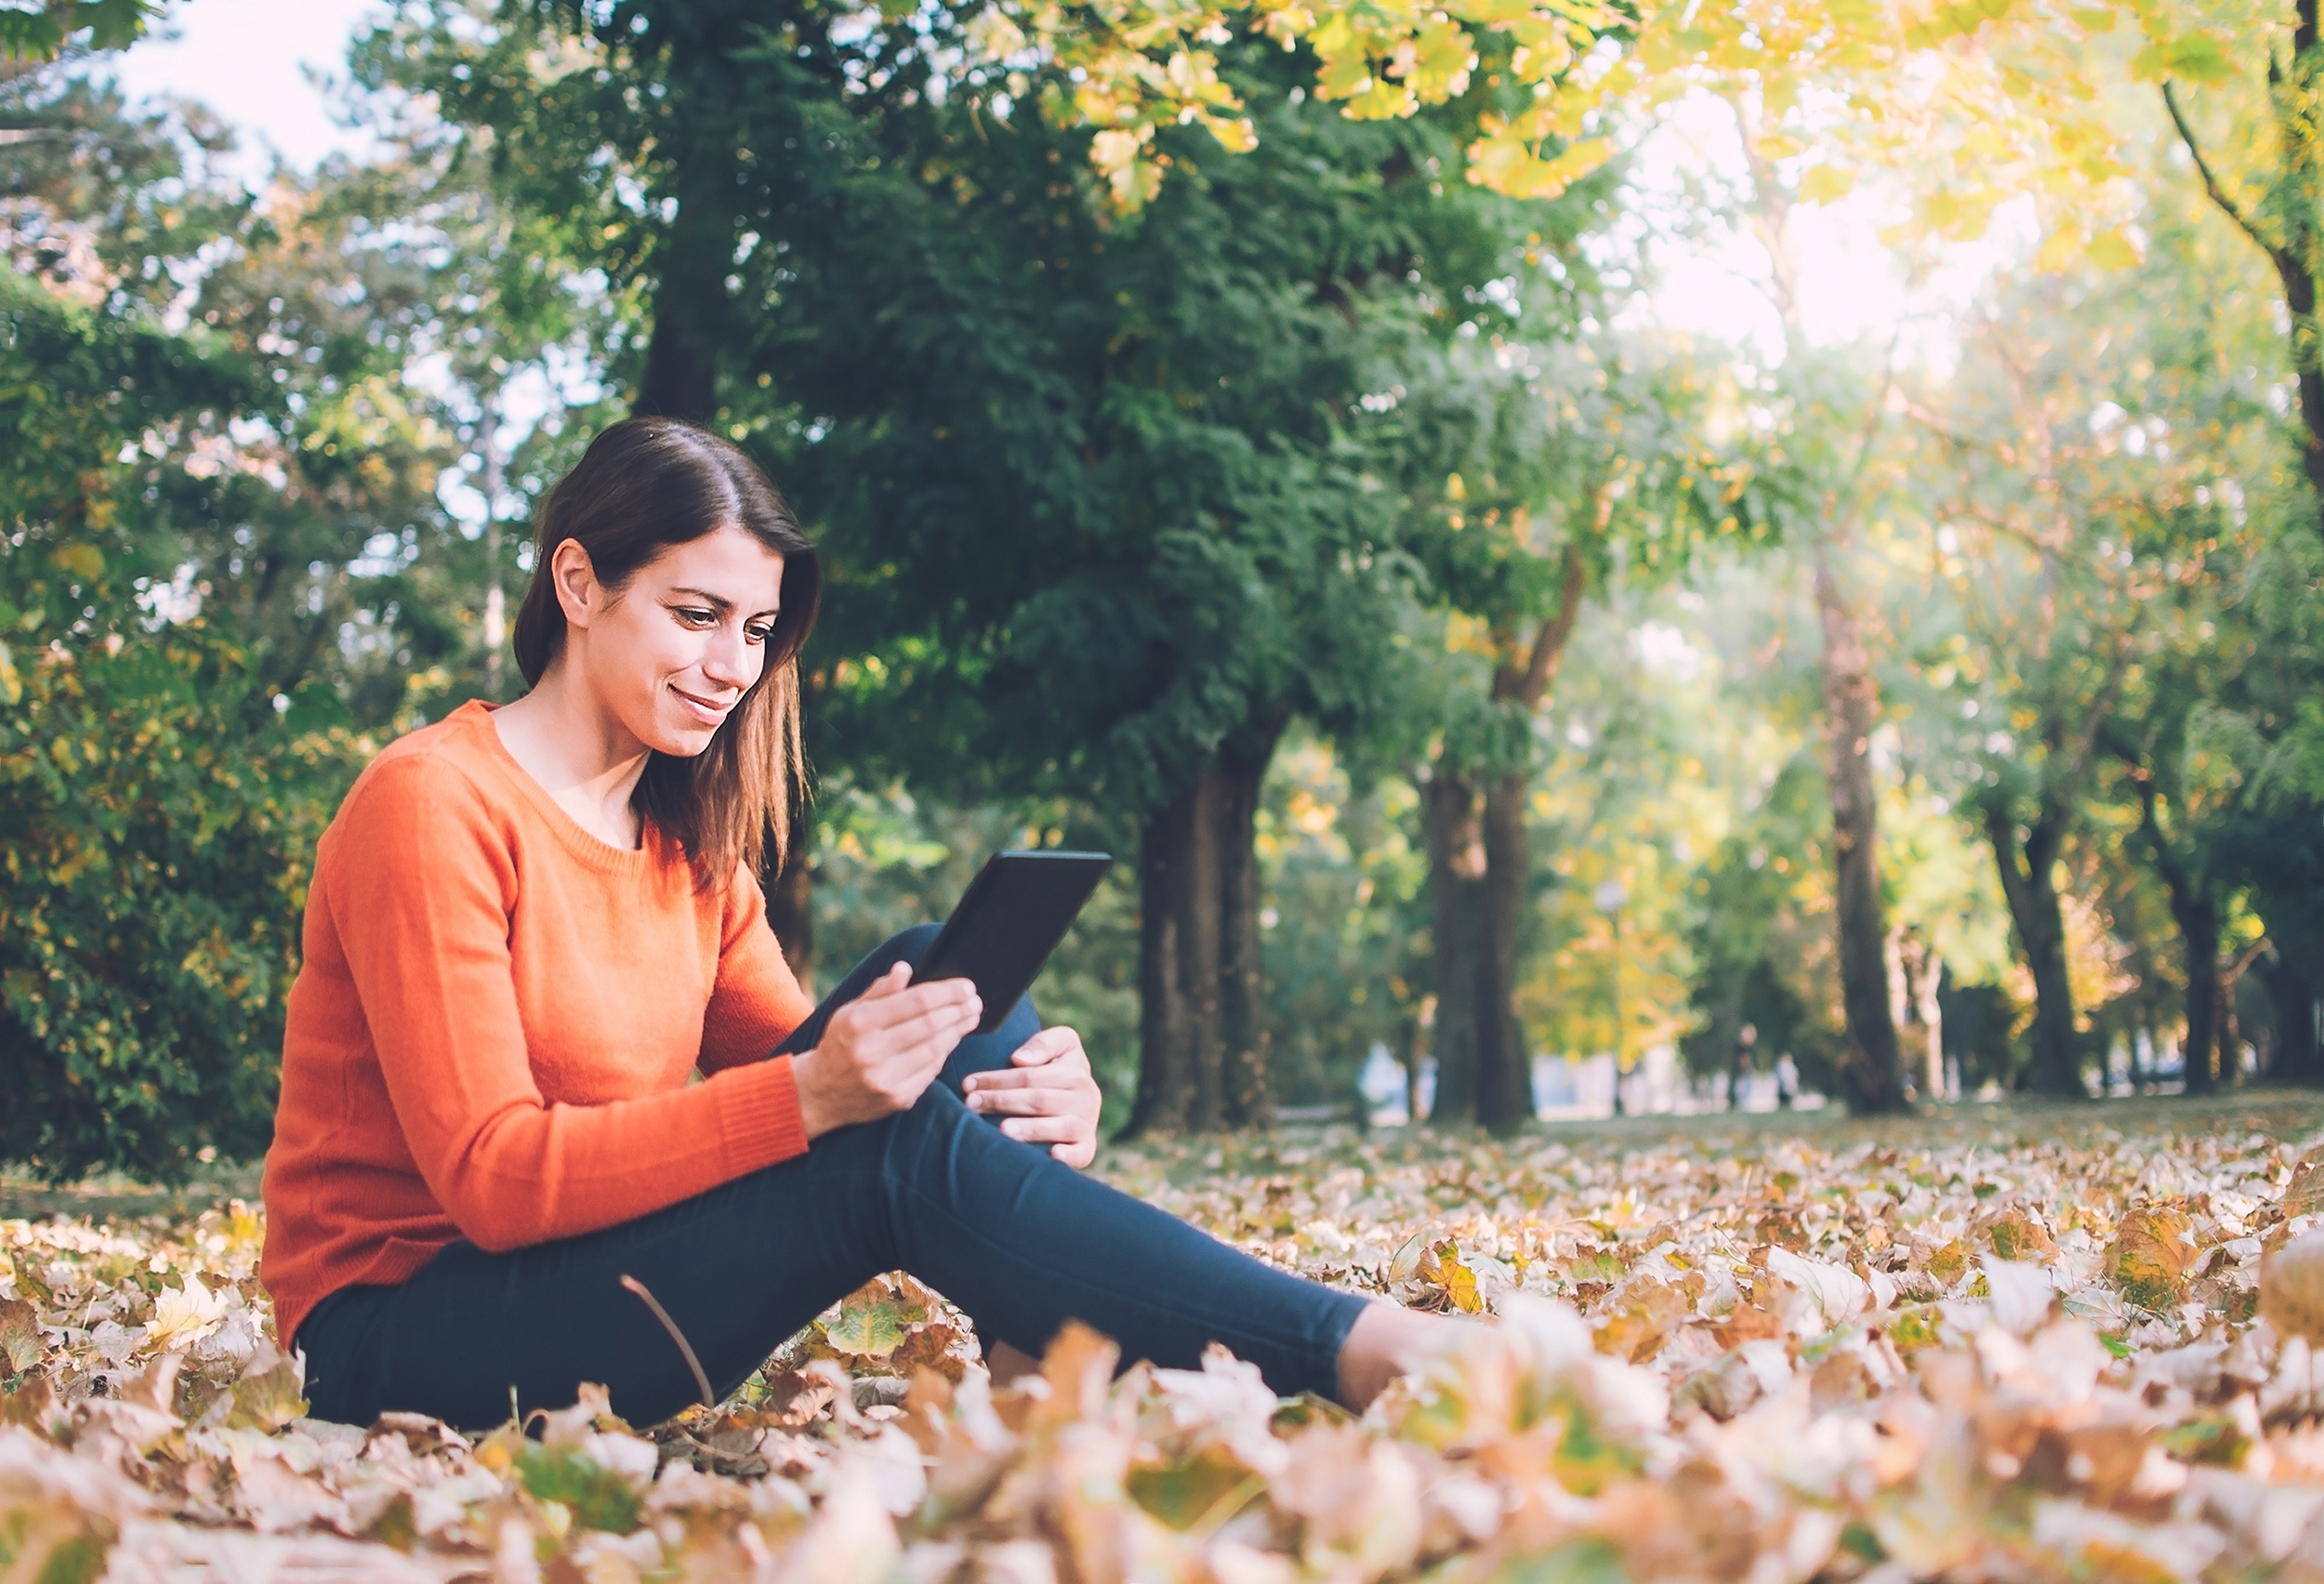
{"x": 1780, "y": 1226}
{"x": 928, "y": 1347}
{"x": 2303, "y": 1195}
{"x": 2149, "y": 1257}
{"x": 267, "y": 1396}
{"x": 1638, "y": 1328}
{"x": 2013, "y": 1234}
{"x": 1078, "y": 1366}
{"x": 1749, "y": 1323}
{"x": 20, "y": 1337}
{"x": 1949, "y": 1263}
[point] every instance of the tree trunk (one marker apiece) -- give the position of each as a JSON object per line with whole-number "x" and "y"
{"x": 2292, "y": 991}
{"x": 1457, "y": 866}
{"x": 1179, "y": 1068}
{"x": 2210, "y": 1045}
{"x": 2199, "y": 943}
{"x": 1869, "y": 1069}
{"x": 1914, "y": 967}
{"x": 1504, "y": 1068}
{"x": 1247, "y": 1078}
{"x": 2029, "y": 885}
{"x": 681, "y": 360}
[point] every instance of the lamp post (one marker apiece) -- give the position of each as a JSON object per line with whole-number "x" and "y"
{"x": 1610, "y": 896}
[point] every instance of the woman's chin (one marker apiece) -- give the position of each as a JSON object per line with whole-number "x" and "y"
{"x": 686, "y": 741}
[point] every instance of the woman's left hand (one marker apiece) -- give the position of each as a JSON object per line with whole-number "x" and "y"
{"x": 1047, "y": 1096}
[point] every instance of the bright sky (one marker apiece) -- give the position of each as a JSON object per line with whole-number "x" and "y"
{"x": 255, "y": 62}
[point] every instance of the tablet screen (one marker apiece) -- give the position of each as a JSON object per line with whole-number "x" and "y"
{"x": 1009, "y": 919}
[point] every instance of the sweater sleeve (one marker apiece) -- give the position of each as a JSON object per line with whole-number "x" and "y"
{"x": 756, "y": 1001}
{"x": 421, "y": 887}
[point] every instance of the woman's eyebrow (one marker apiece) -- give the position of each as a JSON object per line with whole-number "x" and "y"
{"x": 719, "y": 602}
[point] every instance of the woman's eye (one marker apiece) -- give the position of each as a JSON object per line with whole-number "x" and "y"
{"x": 758, "y": 634}
{"x": 695, "y": 617}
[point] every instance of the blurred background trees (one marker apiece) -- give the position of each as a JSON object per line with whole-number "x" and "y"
{"x": 1471, "y": 671}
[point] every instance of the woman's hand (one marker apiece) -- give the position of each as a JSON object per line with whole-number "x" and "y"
{"x": 1048, "y": 1096}
{"x": 882, "y": 1049}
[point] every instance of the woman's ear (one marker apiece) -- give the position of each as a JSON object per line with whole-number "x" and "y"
{"x": 574, "y": 576}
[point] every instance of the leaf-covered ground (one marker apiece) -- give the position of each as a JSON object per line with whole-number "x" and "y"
{"x": 2000, "y": 1343}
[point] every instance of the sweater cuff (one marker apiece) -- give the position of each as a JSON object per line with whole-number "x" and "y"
{"x": 758, "y": 1116}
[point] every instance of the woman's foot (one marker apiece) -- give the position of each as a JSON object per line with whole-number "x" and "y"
{"x": 1386, "y": 1340}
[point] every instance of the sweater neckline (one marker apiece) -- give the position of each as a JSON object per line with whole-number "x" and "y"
{"x": 584, "y": 844}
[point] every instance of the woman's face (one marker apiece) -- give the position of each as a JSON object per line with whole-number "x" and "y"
{"x": 670, "y": 657}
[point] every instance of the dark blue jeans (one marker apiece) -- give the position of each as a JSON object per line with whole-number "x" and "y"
{"x": 1019, "y": 1240}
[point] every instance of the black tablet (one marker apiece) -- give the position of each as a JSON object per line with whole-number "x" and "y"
{"x": 1009, "y": 919}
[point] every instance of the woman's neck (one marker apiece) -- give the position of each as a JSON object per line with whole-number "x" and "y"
{"x": 582, "y": 757}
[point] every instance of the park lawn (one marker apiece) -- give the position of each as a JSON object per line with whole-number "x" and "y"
{"x": 1995, "y": 1342}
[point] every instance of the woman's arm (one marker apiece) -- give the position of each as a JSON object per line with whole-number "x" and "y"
{"x": 420, "y": 885}
{"x": 757, "y": 1000}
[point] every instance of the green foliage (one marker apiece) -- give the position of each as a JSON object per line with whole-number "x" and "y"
{"x": 158, "y": 807}
{"x": 40, "y": 31}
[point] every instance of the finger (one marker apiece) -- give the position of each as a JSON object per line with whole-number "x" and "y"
{"x": 1046, "y": 1129}
{"x": 899, "y": 975}
{"x": 1022, "y": 1103}
{"x": 902, "y": 1005}
{"x": 945, "y": 1026}
{"x": 1044, "y": 1046}
{"x": 1008, "y": 1078}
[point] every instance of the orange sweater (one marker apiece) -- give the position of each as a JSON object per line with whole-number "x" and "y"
{"x": 492, "y": 1031}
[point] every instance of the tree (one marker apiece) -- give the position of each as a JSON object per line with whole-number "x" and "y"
{"x": 220, "y": 549}
{"x": 1541, "y": 473}
{"x": 2281, "y": 218}
{"x": 1120, "y": 514}
{"x": 1819, "y": 485}
{"x": 2106, "y": 597}
{"x": 156, "y": 807}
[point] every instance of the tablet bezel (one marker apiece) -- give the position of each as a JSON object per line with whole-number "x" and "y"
{"x": 997, "y": 906}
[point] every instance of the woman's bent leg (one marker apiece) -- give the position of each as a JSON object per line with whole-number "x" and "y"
{"x": 1018, "y": 1239}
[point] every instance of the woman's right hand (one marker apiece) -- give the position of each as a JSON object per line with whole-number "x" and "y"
{"x": 882, "y": 1049}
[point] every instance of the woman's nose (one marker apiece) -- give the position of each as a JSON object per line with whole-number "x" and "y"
{"x": 727, "y": 661}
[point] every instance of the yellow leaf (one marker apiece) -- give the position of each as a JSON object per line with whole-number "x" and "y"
{"x": 2063, "y": 247}
{"x": 1824, "y": 183}
{"x": 1235, "y": 136}
{"x": 81, "y": 561}
{"x": 2112, "y": 251}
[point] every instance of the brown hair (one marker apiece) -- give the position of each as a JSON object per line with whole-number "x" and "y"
{"x": 645, "y": 485}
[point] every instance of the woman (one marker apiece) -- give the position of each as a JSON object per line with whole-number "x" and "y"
{"x": 530, "y": 927}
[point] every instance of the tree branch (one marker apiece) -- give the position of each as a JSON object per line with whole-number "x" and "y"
{"x": 2233, "y": 970}
{"x": 2210, "y": 181}
{"x": 1549, "y": 644}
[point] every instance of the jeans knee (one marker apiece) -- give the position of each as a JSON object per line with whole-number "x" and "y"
{"x": 910, "y": 945}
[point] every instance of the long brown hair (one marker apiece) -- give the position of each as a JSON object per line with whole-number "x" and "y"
{"x": 645, "y": 485}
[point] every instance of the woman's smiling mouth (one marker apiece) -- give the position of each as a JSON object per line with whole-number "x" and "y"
{"x": 708, "y": 713}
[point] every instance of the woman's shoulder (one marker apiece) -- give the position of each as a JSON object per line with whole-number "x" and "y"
{"x": 438, "y": 770}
